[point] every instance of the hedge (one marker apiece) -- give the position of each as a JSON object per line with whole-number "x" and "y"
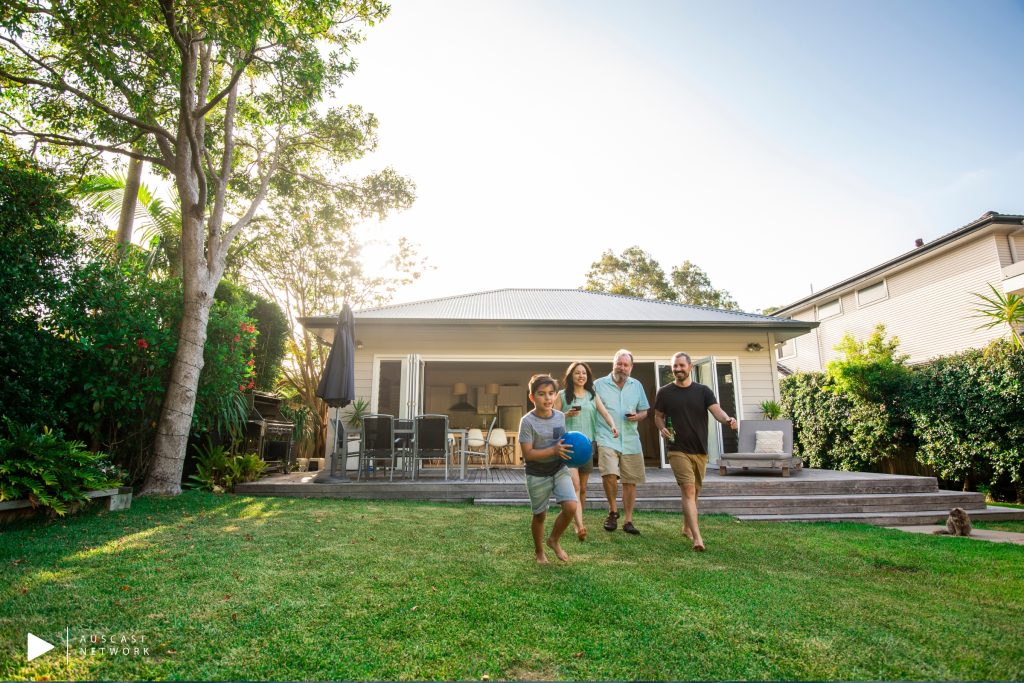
{"x": 961, "y": 416}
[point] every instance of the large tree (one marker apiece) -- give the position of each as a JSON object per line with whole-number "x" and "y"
{"x": 306, "y": 255}
{"x": 222, "y": 96}
{"x": 633, "y": 273}
{"x": 636, "y": 273}
{"x": 693, "y": 286}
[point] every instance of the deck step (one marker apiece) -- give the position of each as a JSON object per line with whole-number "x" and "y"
{"x": 910, "y": 518}
{"x": 832, "y": 503}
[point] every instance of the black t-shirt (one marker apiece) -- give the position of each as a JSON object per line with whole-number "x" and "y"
{"x": 688, "y": 408}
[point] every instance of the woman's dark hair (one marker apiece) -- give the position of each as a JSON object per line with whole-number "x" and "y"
{"x": 570, "y": 388}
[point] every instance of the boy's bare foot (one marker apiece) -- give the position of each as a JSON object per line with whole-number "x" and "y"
{"x": 559, "y": 553}
{"x": 685, "y": 530}
{"x": 698, "y": 545}
{"x": 542, "y": 558}
{"x": 581, "y": 533}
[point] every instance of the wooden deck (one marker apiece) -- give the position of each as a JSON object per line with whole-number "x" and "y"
{"x": 807, "y": 495}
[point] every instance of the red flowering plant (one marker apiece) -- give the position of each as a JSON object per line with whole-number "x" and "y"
{"x": 121, "y": 327}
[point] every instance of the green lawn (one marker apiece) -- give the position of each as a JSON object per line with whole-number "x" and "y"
{"x": 1012, "y": 525}
{"x": 225, "y": 587}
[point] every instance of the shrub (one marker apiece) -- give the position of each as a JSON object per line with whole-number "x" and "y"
{"x": 121, "y": 326}
{"x": 961, "y": 416}
{"x": 273, "y": 331}
{"x": 968, "y": 415}
{"x": 218, "y": 470}
{"x": 50, "y": 471}
{"x": 38, "y": 254}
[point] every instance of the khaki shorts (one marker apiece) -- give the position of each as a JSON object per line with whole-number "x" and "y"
{"x": 688, "y": 468}
{"x": 629, "y": 467}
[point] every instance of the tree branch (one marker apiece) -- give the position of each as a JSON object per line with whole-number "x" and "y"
{"x": 63, "y": 87}
{"x": 230, "y": 88}
{"x": 67, "y": 141}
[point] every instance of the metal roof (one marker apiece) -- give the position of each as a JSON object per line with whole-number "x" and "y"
{"x": 565, "y": 306}
{"x": 986, "y": 219}
{"x": 538, "y": 305}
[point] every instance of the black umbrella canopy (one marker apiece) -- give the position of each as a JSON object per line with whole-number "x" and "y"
{"x": 337, "y": 385}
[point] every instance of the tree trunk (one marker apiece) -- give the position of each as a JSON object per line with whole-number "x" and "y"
{"x": 131, "y": 197}
{"x": 171, "y": 443}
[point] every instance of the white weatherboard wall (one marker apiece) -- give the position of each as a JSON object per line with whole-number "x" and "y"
{"x": 930, "y": 307}
{"x": 559, "y": 345}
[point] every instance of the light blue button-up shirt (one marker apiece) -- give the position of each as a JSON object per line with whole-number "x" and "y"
{"x": 631, "y": 398}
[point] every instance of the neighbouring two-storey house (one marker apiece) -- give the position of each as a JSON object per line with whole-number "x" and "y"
{"x": 926, "y": 297}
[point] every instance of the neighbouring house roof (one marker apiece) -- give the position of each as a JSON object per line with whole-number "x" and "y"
{"x": 573, "y": 307}
{"x": 987, "y": 219}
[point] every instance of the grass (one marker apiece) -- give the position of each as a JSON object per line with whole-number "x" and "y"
{"x": 1009, "y": 525}
{"x": 225, "y": 587}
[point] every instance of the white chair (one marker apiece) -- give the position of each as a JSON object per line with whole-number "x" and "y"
{"x": 498, "y": 442}
{"x": 478, "y": 446}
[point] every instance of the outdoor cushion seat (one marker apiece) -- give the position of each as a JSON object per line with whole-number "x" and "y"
{"x": 761, "y": 452}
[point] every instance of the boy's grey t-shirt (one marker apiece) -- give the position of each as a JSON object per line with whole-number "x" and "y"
{"x": 543, "y": 432}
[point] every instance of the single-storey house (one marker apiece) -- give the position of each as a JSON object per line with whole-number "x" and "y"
{"x": 926, "y": 296}
{"x": 471, "y": 356}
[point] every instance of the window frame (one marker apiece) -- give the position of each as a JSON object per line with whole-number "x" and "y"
{"x": 838, "y": 301}
{"x": 881, "y": 283}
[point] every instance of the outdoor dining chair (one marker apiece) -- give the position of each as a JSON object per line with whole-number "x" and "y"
{"x": 378, "y": 445}
{"x": 430, "y": 441}
{"x": 476, "y": 445}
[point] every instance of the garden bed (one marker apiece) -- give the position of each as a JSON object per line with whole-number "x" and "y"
{"x": 113, "y": 499}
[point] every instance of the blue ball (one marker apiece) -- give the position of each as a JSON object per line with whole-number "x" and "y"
{"x": 581, "y": 451}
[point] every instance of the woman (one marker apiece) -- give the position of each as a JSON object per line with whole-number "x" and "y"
{"x": 581, "y": 406}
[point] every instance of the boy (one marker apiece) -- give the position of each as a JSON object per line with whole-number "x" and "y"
{"x": 540, "y": 434}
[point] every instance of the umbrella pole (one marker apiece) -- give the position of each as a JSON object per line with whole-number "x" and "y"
{"x": 343, "y": 454}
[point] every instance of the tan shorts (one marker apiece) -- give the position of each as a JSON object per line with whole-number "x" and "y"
{"x": 629, "y": 467}
{"x": 688, "y": 467}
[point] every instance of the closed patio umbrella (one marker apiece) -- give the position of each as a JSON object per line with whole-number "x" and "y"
{"x": 337, "y": 385}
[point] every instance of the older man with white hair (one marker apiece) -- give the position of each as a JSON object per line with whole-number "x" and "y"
{"x": 621, "y": 456}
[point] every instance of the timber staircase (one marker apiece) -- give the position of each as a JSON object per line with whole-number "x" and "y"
{"x": 809, "y": 496}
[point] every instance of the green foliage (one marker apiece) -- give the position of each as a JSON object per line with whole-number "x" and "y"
{"x": 634, "y": 273}
{"x": 1003, "y": 309}
{"x": 120, "y": 329}
{"x": 968, "y": 414}
{"x": 307, "y": 256}
{"x": 693, "y": 286}
{"x": 771, "y": 410}
{"x": 50, "y": 471}
{"x": 273, "y": 328}
{"x": 838, "y": 430}
{"x": 158, "y": 222}
{"x": 357, "y": 409}
{"x": 38, "y": 257}
{"x": 871, "y": 370}
{"x": 218, "y": 470}
{"x": 962, "y": 415}
{"x": 637, "y": 273}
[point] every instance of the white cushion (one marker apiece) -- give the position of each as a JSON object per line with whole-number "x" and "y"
{"x": 768, "y": 442}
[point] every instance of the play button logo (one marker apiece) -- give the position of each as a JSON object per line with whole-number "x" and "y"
{"x": 37, "y": 646}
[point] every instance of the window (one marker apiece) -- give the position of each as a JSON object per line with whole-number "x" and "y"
{"x": 830, "y": 309}
{"x": 787, "y": 349}
{"x": 872, "y": 293}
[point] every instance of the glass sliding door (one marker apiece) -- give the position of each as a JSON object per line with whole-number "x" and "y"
{"x": 704, "y": 373}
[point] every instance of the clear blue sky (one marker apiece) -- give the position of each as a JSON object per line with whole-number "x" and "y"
{"x": 775, "y": 144}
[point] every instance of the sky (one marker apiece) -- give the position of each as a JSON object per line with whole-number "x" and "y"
{"x": 781, "y": 146}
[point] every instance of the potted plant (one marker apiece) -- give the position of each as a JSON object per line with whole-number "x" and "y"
{"x": 771, "y": 410}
